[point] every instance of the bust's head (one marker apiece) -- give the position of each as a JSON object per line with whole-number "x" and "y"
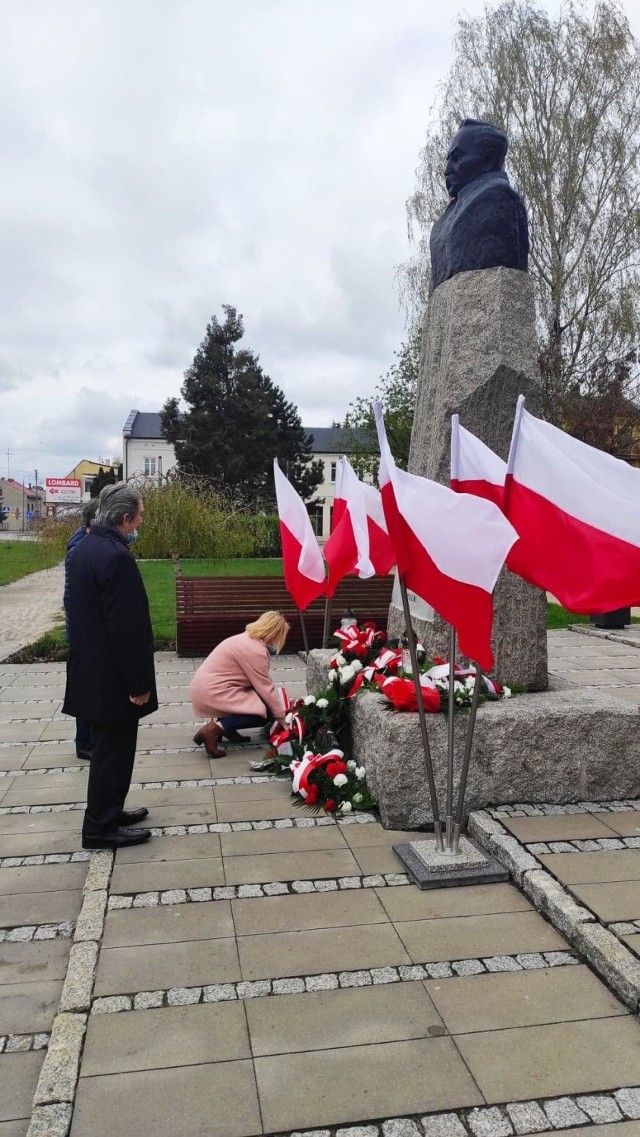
{"x": 476, "y": 149}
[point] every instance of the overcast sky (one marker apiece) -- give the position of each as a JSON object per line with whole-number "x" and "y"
{"x": 163, "y": 157}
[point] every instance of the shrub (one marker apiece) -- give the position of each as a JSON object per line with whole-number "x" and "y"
{"x": 186, "y": 517}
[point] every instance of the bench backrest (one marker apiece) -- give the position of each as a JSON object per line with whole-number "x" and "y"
{"x": 208, "y": 609}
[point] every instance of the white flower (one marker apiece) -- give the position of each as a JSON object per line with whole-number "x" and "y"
{"x": 345, "y": 806}
{"x": 357, "y": 798}
{"x": 360, "y": 773}
{"x": 333, "y": 676}
{"x": 506, "y": 692}
{"x": 309, "y": 700}
{"x": 470, "y": 682}
{"x": 356, "y": 665}
{"x": 339, "y": 659}
{"x": 351, "y": 765}
{"x": 340, "y": 780}
{"x": 322, "y": 703}
{"x": 346, "y": 675}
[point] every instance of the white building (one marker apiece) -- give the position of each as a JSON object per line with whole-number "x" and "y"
{"x": 145, "y": 452}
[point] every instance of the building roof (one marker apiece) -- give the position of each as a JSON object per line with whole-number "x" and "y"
{"x": 29, "y": 491}
{"x": 324, "y": 439}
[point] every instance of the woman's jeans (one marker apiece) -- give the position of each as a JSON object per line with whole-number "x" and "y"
{"x": 237, "y": 722}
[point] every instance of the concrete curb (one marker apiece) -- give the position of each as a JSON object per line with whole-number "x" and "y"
{"x": 611, "y": 959}
{"x": 56, "y": 1089}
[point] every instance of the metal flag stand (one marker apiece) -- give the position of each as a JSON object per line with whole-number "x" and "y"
{"x": 437, "y": 828}
{"x": 327, "y": 621}
{"x": 460, "y": 861}
{"x": 304, "y": 633}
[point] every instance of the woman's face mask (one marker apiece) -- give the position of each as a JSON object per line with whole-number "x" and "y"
{"x": 272, "y": 649}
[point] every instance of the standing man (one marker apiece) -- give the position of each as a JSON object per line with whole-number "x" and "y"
{"x": 83, "y": 729}
{"x": 110, "y": 674}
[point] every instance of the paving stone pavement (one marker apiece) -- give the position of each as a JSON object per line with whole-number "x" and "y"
{"x": 253, "y": 970}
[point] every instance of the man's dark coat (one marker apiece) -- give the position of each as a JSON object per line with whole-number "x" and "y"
{"x": 110, "y": 637}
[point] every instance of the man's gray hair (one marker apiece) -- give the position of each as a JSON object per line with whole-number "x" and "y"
{"x": 116, "y": 502}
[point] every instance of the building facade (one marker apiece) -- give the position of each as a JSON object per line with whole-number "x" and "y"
{"x": 146, "y": 453}
{"x": 86, "y": 470}
{"x": 21, "y": 505}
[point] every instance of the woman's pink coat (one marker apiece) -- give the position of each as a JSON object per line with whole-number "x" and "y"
{"x": 235, "y": 680}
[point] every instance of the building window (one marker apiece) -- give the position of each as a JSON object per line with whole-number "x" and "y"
{"x": 88, "y": 482}
{"x": 159, "y": 465}
{"x": 149, "y": 467}
{"x": 334, "y": 467}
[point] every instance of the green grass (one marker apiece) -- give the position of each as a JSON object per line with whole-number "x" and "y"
{"x": 160, "y": 582}
{"x": 558, "y": 617}
{"x": 20, "y": 558}
{"x": 239, "y": 566}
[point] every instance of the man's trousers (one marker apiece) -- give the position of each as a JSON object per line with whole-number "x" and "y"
{"x": 112, "y": 758}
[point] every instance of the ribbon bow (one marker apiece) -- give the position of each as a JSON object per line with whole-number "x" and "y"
{"x": 309, "y": 762}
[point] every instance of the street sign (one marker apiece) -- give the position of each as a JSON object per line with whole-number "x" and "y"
{"x": 64, "y": 490}
{"x": 6, "y": 509}
{"x": 28, "y": 515}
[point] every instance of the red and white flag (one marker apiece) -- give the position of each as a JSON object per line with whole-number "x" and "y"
{"x": 449, "y": 547}
{"x": 474, "y": 467}
{"x": 301, "y": 556}
{"x": 577, "y": 513}
{"x": 359, "y": 543}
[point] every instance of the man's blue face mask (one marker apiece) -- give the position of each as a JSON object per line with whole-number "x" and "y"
{"x": 131, "y": 537}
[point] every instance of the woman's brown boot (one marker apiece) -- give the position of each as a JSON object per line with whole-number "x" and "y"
{"x": 210, "y": 736}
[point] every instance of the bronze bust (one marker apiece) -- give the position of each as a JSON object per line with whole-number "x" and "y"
{"x": 486, "y": 223}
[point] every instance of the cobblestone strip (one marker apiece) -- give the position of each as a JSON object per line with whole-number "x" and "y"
{"x": 252, "y": 891}
{"x": 594, "y": 845}
{"x": 56, "y": 1088}
{"x": 544, "y": 810}
{"x": 19, "y": 1043}
{"x": 519, "y": 1118}
{"x": 614, "y": 962}
{"x": 25, "y": 933}
{"x": 328, "y": 981}
{"x": 43, "y": 859}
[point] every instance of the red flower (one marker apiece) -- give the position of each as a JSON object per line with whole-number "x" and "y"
{"x": 333, "y": 768}
{"x": 438, "y": 659}
{"x": 329, "y": 805}
{"x": 312, "y": 795}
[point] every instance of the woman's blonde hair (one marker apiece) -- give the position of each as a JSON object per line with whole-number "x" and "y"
{"x": 270, "y": 627}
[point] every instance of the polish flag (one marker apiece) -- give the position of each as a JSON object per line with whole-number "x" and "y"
{"x": 301, "y": 556}
{"x": 474, "y": 467}
{"x": 359, "y": 543}
{"x": 449, "y": 547}
{"x": 577, "y": 512}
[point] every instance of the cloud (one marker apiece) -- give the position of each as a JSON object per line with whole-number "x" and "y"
{"x": 161, "y": 159}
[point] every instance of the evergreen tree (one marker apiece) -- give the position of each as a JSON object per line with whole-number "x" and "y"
{"x": 104, "y": 478}
{"x": 237, "y": 420}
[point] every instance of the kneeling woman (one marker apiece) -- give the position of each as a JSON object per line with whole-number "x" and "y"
{"x": 233, "y": 686}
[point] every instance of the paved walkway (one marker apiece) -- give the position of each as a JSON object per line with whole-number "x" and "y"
{"x": 29, "y": 607}
{"x": 255, "y": 970}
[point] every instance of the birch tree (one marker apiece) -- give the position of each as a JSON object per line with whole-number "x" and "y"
{"x": 566, "y": 91}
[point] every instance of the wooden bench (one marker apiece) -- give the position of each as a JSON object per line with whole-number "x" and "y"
{"x": 208, "y": 609}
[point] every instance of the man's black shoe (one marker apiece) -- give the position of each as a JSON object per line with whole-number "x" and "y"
{"x": 117, "y": 839}
{"x": 84, "y": 754}
{"x": 133, "y": 816}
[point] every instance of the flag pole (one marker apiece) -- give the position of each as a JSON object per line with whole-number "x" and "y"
{"x": 450, "y": 736}
{"x": 327, "y": 621}
{"x": 304, "y": 632}
{"x": 475, "y": 699}
{"x": 437, "y": 828}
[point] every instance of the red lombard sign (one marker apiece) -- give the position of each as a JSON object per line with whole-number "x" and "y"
{"x": 67, "y": 490}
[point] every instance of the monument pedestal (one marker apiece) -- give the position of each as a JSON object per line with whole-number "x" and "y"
{"x": 480, "y": 353}
{"x": 563, "y": 745}
{"x": 430, "y": 867}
